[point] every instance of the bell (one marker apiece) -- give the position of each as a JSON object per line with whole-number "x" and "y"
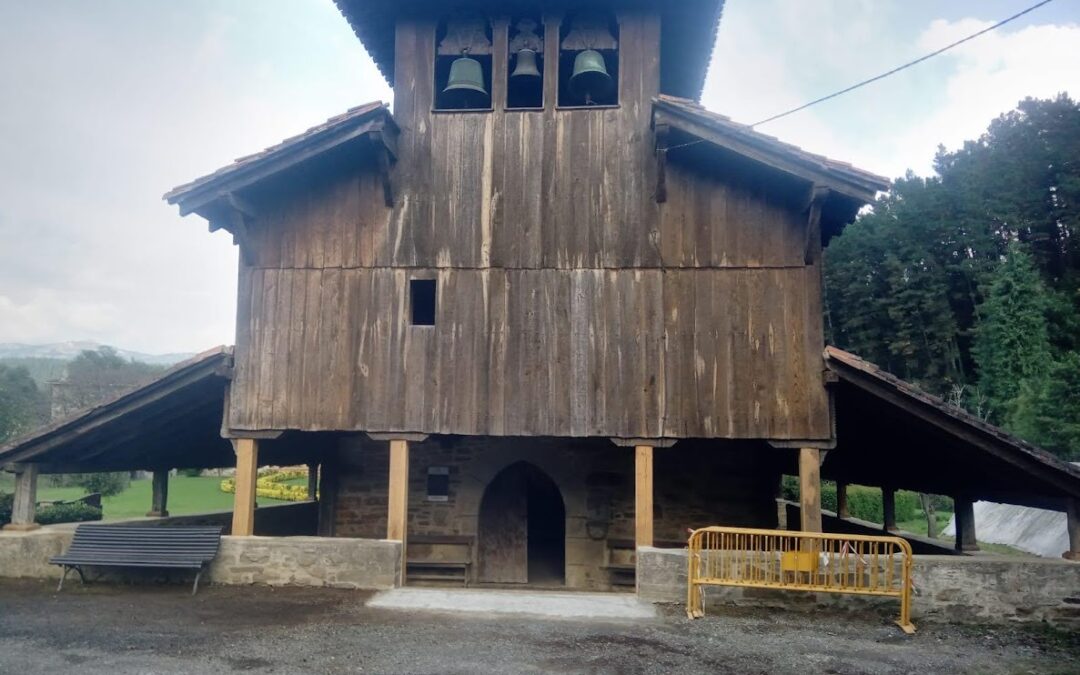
{"x": 526, "y": 65}
{"x": 590, "y": 79}
{"x": 466, "y": 79}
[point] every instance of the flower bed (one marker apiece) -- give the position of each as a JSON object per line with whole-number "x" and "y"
{"x": 271, "y": 484}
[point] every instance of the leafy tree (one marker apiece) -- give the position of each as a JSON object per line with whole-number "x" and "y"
{"x": 22, "y": 405}
{"x": 1049, "y": 414}
{"x": 1012, "y": 345}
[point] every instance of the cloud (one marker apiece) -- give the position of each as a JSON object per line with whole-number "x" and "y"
{"x": 772, "y": 56}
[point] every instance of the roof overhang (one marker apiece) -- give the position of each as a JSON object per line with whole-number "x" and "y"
{"x": 172, "y": 421}
{"x": 890, "y": 432}
{"x": 361, "y": 132}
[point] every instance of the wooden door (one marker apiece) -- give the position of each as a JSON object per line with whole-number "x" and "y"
{"x": 503, "y": 546}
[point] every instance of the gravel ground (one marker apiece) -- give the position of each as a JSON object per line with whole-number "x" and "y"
{"x": 123, "y": 629}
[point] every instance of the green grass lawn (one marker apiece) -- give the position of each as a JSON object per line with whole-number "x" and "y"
{"x": 186, "y": 495}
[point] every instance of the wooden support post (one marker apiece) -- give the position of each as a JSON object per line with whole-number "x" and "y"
{"x": 313, "y": 482}
{"x": 888, "y": 508}
{"x": 643, "y": 495}
{"x": 810, "y": 489}
{"x": 247, "y": 470}
{"x": 398, "y": 513}
{"x": 841, "y": 500}
{"x": 965, "y": 525}
{"x": 22, "y": 509}
{"x": 1072, "y": 512}
{"x": 159, "y": 498}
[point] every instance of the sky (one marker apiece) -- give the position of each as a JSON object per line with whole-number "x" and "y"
{"x": 105, "y": 105}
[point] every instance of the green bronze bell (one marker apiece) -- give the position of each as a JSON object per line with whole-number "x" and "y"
{"x": 466, "y": 82}
{"x": 526, "y": 67}
{"x": 590, "y": 79}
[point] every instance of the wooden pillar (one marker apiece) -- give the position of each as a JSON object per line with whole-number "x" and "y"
{"x": 810, "y": 489}
{"x": 1072, "y": 512}
{"x": 398, "y": 514}
{"x": 841, "y": 500}
{"x": 313, "y": 481}
{"x": 965, "y": 525}
{"x": 22, "y": 509}
{"x": 888, "y": 509}
{"x": 159, "y": 497}
{"x": 643, "y": 495}
{"x": 247, "y": 465}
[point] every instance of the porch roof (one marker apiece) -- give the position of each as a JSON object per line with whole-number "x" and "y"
{"x": 173, "y": 421}
{"x": 889, "y": 432}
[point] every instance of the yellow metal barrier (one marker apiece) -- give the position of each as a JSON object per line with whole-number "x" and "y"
{"x": 799, "y": 561}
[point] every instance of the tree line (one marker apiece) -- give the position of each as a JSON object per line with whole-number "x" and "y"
{"x": 968, "y": 282}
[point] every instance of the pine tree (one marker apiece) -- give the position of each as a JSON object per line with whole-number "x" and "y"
{"x": 1012, "y": 345}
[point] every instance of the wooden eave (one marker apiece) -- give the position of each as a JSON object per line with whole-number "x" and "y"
{"x": 688, "y": 29}
{"x": 165, "y": 421}
{"x": 219, "y": 196}
{"x": 1034, "y": 477}
{"x": 693, "y": 120}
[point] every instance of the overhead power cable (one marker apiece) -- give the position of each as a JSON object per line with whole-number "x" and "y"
{"x": 917, "y": 61}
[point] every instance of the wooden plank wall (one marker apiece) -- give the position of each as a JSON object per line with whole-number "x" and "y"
{"x": 570, "y": 303}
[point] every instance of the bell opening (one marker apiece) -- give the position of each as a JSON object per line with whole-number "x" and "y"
{"x": 588, "y": 60}
{"x": 463, "y": 82}
{"x": 525, "y": 85}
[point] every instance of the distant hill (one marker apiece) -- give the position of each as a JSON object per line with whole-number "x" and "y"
{"x": 65, "y": 351}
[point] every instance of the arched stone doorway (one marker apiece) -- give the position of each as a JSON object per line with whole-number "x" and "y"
{"x": 522, "y": 528}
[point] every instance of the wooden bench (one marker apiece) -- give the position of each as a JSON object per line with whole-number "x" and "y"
{"x": 133, "y": 546}
{"x": 439, "y": 558}
{"x": 620, "y": 559}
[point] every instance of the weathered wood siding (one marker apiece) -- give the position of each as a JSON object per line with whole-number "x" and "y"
{"x": 570, "y": 303}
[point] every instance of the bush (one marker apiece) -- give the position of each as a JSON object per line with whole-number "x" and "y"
{"x": 864, "y": 502}
{"x": 6, "y": 502}
{"x": 189, "y": 473}
{"x": 107, "y": 484}
{"x": 75, "y": 512}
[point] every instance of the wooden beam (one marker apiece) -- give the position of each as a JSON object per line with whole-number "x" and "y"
{"x": 818, "y": 195}
{"x": 247, "y": 465}
{"x": 397, "y": 518}
{"x": 382, "y": 155}
{"x": 648, "y": 442}
{"x": 313, "y": 481}
{"x": 241, "y": 238}
{"x": 396, "y": 436}
{"x": 643, "y": 495}
{"x": 888, "y": 507}
{"x": 663, "y": 132}
{"x": 159, "y": 497}
{"x": 1072, "y": 512}
{"x": 810, "y": 489}
{"x": 22, "y": 508}
{"x": 965, "y": 524}
{"x": 841, "y": 500}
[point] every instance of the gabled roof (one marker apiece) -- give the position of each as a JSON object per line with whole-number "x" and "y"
{"x": 693, "y": 119}
{"x": 173, "y": 420}
{"x": 358, "y": 123}
{"x": 688, "y": 29}
{"x": 878, "y": 413}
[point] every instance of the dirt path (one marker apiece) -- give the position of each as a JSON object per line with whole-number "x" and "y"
{"x": 119, "y": 629}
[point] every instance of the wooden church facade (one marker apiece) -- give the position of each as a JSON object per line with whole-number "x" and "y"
{"x": 533, "y": 325}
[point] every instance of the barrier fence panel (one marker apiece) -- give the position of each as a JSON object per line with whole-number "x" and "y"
{"x": 799, "y": 561}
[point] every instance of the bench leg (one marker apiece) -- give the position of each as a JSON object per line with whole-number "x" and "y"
{"x": 67, "y": 569}
{"x": 195, "y": 587}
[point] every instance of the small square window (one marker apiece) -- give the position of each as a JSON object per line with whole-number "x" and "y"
{"x": 438, "y": 484}
{"x": 422, "y": 301}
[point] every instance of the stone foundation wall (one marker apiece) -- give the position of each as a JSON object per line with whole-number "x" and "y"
{"x": 953, "y": 589}
{"x": 308, "y": 561}
{"x": 696, "y": 483}
{"x": 275, "y": 561}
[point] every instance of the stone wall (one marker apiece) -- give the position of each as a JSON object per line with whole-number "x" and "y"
{"x": 954, "y": 589}
{"x": 275, "y": 561}
{"x": 308, "y": 561}
{"x": 696, "y": 484}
